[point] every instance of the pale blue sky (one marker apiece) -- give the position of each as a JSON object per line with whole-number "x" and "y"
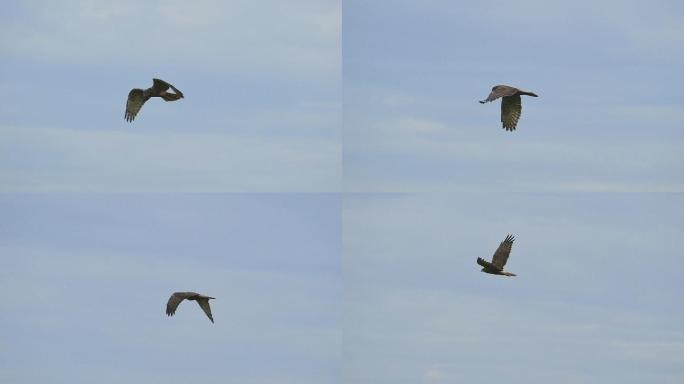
{"x": 608, "y": 74}
{"x": 376, "y": 102}
{"x": 597, "y": 299}
{"x": 262, "y": 81}
{"x": 86, "y": 278}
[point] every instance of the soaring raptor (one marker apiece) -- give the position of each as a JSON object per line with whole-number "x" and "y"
{"x": 499, "y": 259}
{"x": 510, "y": 104}
{"x": 177, "y": 297}
{"x": 137, "y": 97}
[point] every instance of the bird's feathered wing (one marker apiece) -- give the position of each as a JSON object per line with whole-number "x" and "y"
{"x": 136, "y": 99}
{"x": 500, "y": 91}
{"x": 176, "y": 90}
{"x": 501, "y": 255}
{"x": 176, "y": 299}
{"x": 159, "y": 86}
{"x": 511, "y": 107}
{"x": 204, "y": 304}
{"x": 486, "y": 264}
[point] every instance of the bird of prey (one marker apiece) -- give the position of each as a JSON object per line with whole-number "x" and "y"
{"x": 177, "y": 297}
{"x": 137, "y": 97}
{"x": 499, "y": 259}
{"x": 510, "y": 104}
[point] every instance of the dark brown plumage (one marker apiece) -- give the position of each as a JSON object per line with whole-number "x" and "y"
{"x": 137, "y": 97}
{"x": 177, "y": 297}
{"x": 499, "y": 259}
{"x": 511, "y": 107}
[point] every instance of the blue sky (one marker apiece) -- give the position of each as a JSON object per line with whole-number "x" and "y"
{"x": 262, "y": 82}
{"x": 597, "y": 298}
{"x": 607, "y": 73}
{"x": 87, "y": 277}
{"x": 331, "y": 178}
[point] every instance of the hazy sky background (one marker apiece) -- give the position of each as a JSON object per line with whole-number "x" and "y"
{"x": 86, "y": 279}
{"x": 262, "y": 83}
{"x": 375, "y": 286}
{"x": 597, "y": 299}
{"x": 608, "y": 75}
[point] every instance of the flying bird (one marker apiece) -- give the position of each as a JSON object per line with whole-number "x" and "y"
{"x": 510, "y": 104}
{"x": 499, "y": 259}
{"x": 177, "y": 297}
{"x": 137, "y": 97}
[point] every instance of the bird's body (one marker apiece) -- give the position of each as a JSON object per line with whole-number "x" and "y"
{"x": 511, "y": 105}
{"x": 137, "y": 97}
{"x": 496, "y": 266}
{"x": 177, "y": 297}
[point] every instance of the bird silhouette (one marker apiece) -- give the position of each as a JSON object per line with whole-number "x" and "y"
{"x": 137, "y": 97}
{"x": 511, "y": 107}
{"x": 177, "y": 297}
{"x": 499, "y": 259}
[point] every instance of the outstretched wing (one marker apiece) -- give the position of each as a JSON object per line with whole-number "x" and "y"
{"x": 159, "y": 86}
{"x": 486, "y": 264}
{"x": 204, "y": 304}
{"x": 501, "y": 255}
{"x": 500, "y": 91}
{"x": 177, "y": 91}
{"x": 510, "y": 111}
{"x": 136, "y": 99}
{"x": 176, "y": 299}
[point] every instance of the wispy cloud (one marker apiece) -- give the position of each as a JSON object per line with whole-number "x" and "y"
{"x": 93, "y": 272}
{"x": 262, "y": 108}
{"x": 606, "y": 118}
{"x": 386, "y": 154}
{"x": 52, "y": 159}
{"x": 301, "y": 37}
{"x": 590, "y": 297}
